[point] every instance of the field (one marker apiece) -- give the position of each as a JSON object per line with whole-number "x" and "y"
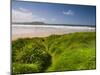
{"x": 67, "y": 52}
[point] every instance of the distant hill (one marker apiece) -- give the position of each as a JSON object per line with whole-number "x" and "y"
{"x": 43, "y": 23}
{"x": 32, "y": 23}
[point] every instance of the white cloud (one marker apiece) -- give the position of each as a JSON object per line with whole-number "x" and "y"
{"x": 69, "y": 12}
{"x": 24, "y": 15}
{"x": 23, "y": 10}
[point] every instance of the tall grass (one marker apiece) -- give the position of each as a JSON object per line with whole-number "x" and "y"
{"x": 75, "y": 51}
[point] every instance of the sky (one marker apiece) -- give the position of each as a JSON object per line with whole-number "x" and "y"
{"x": 53, "y": 13}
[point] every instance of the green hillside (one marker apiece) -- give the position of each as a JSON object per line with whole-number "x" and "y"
{"x": 75, "y": 51}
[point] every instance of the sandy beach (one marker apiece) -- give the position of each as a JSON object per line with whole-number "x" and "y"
{"x": 24, "y": 31}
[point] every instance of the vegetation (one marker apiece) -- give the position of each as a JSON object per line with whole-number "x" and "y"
{"x": 75, "y": 51}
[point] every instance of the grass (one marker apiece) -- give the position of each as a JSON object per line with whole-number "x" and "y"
{"x": 24, "y": 68}
{"x": 75, "y": 51}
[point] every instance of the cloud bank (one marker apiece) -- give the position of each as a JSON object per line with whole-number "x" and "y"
{"x": 24, "y": 15}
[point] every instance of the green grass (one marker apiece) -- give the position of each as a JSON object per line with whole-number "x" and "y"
{"x": 24, "y": 68}
{"x": 75, "y": 51}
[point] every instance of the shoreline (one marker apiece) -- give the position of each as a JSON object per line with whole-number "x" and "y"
{"x": 29, "y": 31}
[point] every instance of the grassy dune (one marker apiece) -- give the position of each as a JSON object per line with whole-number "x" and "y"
{"x": 75, "y": 51}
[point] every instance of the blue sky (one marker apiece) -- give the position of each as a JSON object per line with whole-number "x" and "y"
{"x": 53, "y": 13}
